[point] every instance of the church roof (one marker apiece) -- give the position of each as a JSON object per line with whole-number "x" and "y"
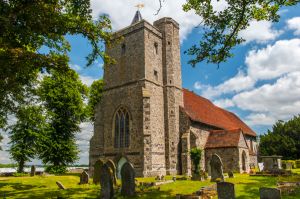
{"x": 225, "y": 139}
{"x": 202, "y": 110}
{"x": 137, "y": 17}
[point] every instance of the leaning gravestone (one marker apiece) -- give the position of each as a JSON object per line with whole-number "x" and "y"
{"x": 32, "y": 170}
{"x": 269, "y": 193}
{"x": 216, "y": 168}
{"x": 230, "y": 174}
{"x": 84, "y": 178}
{"x": 225, "y": 190}
{"x": 97, "y": 167}
{"x": 128, "y": 181}
{"x": 107, "y": 189}
{"x": 60, "y": 185}
{"x": 111, "y": 165}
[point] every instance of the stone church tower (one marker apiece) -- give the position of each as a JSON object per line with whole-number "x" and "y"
{"x": 137, "y": 119}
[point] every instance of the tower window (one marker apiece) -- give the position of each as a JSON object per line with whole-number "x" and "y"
{"x": 121, "y": 128}
{"x": 123, "y": 48}
{"x": 156, "y": 48}
{"x": 155, "y": 75}
{"x": 169, "y": 43}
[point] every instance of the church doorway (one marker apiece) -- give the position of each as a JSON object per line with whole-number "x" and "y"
{"x": 121, "y": 162}
{"x": 244, "y": 161}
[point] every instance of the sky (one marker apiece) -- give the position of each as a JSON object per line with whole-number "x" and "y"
{"x": 260, "y": 84}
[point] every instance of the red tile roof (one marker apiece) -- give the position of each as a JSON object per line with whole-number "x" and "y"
{"x": 202, "y": 110}
{"x": 223, "y": 138}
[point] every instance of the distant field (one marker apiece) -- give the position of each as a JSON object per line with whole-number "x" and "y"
{"x": 44, "y": 187}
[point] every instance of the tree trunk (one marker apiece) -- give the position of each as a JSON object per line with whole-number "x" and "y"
{"x": 21, "y": 166}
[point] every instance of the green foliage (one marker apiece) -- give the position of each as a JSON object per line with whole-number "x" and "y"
{"x": 221, "y": 29}
{"x": 25, "y": 133}
{"x": 196, "y": 154}
{"x": 293, "y": 162}
{"x": 297, "y": 162}
{"x": 95, "y": 95}
{"x": 20, "y": 174}
{"x": 284, "y": 139}
{"x": 26, "y": 27}
{"x": 62, "y": 95}
{"x": 8, "y": 165}
{"x": 56, "y": 169}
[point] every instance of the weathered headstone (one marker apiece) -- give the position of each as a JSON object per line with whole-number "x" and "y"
{"x": 84, "y": 178}
{"x": 269, "y": 193}
{"x": 60, "y": 185}
{"x": 230, "y": 174}
{"x": 288, "y": 166}
{"x": 225, "y": 190}
{"x": 97, "y": 167}
{"x": 32, "y": 170}
{"x": 261, "y": 166}
{"x": 216, "y": 168}
{"x": 107, "y": 190}
{"x": 128, "y": 181}
{"x": 111, "y": 165}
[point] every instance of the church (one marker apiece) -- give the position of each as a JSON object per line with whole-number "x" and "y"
{"x": 145, "y": 117}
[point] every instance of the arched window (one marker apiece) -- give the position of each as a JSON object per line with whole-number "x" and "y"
{"x": 121, "y": 128}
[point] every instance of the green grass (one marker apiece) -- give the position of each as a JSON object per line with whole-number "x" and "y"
{"x": 44, "y": 187}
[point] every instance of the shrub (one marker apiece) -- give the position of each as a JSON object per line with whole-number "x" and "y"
{"x": 56, "y": 169}
{"x": 196, "y": 154}
{"x": 291, "y": 161}
{"x": 297, "y": 162}
{"x": 20, "y": 174}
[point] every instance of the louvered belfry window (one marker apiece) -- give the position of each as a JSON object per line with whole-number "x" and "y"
{"x": 121, "y": 128}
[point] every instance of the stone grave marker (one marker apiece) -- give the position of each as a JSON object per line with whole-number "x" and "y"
{"x": 261, "y": 166}
{"x": 230, "y": 174}
{"x": 288, "y": 166}
{"x": 107, "y": 190}
{"x": 60, "y": 185}
{"x": 216, "y": 168}
{"x": 225, "y": 190}
{"x": 84, "y": 178}
{"x": 97, "y": 167}
{"x": 111, "y": 165}
{"x": 128, "y": 180}
{"x": 269, "y": 193}
{"x": 32, "y": 170}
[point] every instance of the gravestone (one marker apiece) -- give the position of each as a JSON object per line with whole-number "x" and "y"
{"x": 111, "y": 165}
{"x": 60, "y": 185}
{"x": 288, "y": 166}
{"x": 230, "y": 174}
{"x": 269, "y": 193}
{"x": 128, "y": 181}
{"x": 261, "y": 166}
{"x": 107, "y": 190}
{"x": 97, "y": 167}
{"x": 216, "y": 168}
{"x": 225, "y": 190}
{"x": 32, "y": 170}
{"x": 84, "y": 178}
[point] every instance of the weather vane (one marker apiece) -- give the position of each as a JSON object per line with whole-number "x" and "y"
{"x": 140, "y": 6}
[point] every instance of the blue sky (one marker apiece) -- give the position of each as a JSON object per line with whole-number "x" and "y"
{"x": 261, "y": 84}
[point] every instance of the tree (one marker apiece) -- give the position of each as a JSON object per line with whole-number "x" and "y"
{"x": 1, "y": 138}
{"x": 63, "y": 97}
{"x": 196, "y": 157}
{"x": 284, "y": 139}
{"x": 28, "y": 26}
{"x": 25, "y": 133}
{"x": 95, "y": 95}
{"x": 221, "y": 29}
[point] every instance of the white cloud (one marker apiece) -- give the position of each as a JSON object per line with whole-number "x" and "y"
{"x": 75, "y": 67}
{"x": 260, "y": 32}
{"x": 238, "y": 83}
{"x": 274, "y": 60}
{"x": 87, "y": 80}
{"x": 260, "y": 119}
{"x": 121, "y": 13}
{"x": 294, "y": 24}
{"x": 224, "y": 103}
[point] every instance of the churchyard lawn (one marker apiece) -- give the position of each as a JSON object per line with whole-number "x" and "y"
{"x": 44, "y": 187}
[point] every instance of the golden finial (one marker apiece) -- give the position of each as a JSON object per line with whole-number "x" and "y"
{"x": 140, "y": 5}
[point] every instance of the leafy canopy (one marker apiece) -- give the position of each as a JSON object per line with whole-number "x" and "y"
{"x": 25, "y": 134}
{"x": 283, "y": 139}
{"x": 28, "y": 26}
{"x": 196, "y": 154}
{"x": 63, "y": 97}
{"x": 95, "y": 95}
{"x": 221, "y": 29}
